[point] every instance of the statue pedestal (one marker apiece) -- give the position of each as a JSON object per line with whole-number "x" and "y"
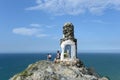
{"x": 68, "y": 49}
{"x": 70, "y": 62}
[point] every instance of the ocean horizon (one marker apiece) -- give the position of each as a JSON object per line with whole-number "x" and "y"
{"x": 104, "y": 64}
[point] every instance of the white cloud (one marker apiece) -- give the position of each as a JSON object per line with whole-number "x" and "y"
{"x": 35, "y": 25}
{"x": 99, "y": 21}
{"x": 37, "y": 30}
{"x": 50, "y": 26}
{"x": 42, "y": 25}
{"x": 75, "y": 7}
{"x": 41, "y": 35}
{"x": 26, "y": 31}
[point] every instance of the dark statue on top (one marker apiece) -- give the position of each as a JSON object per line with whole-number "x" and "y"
{"x": 68, "y": 32}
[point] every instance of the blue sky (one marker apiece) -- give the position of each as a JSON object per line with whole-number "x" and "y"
{"x": 36, "y": 25}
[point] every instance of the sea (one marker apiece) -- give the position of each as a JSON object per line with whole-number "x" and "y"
{"x": 105, "y": 64}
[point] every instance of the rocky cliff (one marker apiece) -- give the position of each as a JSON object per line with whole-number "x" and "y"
{"x": 47, "y": 70}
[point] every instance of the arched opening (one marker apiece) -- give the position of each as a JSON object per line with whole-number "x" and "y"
{"x": 67, "y": 51}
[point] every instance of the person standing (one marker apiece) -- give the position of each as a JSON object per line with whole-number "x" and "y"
{"x": 49, "y": 56}
{"x": 58, "y": 55}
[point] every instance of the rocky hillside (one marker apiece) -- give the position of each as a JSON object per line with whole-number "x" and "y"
{"x": 47, "y": 70}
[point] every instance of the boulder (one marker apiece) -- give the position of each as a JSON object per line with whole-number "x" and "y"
{"x": 47, "y": 70}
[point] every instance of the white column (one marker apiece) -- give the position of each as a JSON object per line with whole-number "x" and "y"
{"x": 73, "y": 51}
{"x": 62, "y": 54}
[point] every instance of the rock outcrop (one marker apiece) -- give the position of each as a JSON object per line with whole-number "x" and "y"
{"x": 48, "y": 70}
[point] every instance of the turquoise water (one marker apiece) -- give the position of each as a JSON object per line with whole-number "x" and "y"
{"x": 104, "y": 64}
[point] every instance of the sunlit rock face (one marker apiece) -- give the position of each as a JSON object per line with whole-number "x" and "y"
{"x": 47, "y": 70}
{"x": 68, "y": 43}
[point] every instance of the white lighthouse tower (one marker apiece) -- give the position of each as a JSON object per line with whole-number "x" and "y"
{"x": 68, "y": 43}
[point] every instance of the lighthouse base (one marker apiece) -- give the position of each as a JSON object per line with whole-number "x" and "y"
{"x": 70, "y": 62}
